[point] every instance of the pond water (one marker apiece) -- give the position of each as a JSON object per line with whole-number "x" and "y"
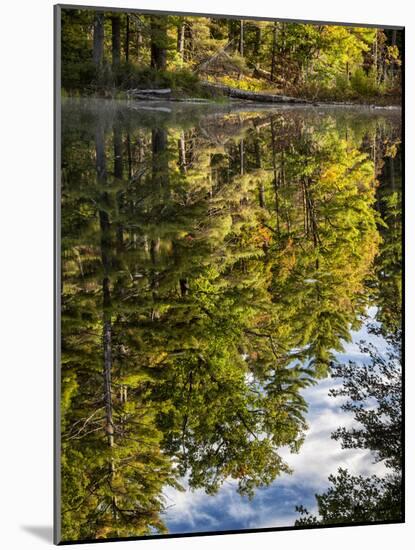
{"x": 231, "y": 317}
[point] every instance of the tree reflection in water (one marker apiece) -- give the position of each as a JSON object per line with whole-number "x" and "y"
{"x": 212, "y": 264}
{"x": 373, "y": 389}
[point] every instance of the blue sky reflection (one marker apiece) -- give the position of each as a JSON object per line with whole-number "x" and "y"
{"x": 320, "y": 456}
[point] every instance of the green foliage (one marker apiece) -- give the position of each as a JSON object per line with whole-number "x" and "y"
{"x": 210, "y": 268}
{"x": 373, "y": 393}
{"x": 388, "y": 281}
{"x": 364, "y": 84}
{"x": 316, "y": 61}
{"x": 247, "y": 83}
{"x": 356, "y": 499}
{"x": 182, "y": 80}
{"x": 380, "y": 384}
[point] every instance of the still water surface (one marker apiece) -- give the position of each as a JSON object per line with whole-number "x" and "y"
{"x": 223, "y": 269}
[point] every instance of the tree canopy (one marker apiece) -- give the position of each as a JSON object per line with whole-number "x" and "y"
{"x": 104, "y": 52}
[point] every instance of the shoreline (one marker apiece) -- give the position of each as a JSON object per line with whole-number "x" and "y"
{"x": 229, "y": 101}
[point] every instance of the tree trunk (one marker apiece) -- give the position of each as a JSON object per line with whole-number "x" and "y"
{"x": 139, "y": 43}
{"x": 261, "y": 195}
{"x": 241, "y": 38}
{"x": 184, "y": 287}
{"x": 158, "y": 32}
{"x": 282, "y": 52}
{"x": 188, "y": 42}
{"x": 180, "y": 39}
{"x": 116, "y": 40}
{"x": 98, "y": 39}
{"x": 231, "y": 34}
{"x": 127, "y": 39}
{"x": 258, "y": 72}
{"x": 258, "y": 39}
{"x": 375, "y": 56}
{"x": 393, "y": 62}
{"x": 274, "y": 51}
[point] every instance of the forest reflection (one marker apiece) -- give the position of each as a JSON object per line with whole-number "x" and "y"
{"x": 213, "y": 263}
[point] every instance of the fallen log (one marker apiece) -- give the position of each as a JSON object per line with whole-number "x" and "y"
{"x": 155, "y": 92}
{"x": 258, "y": 72}
{"x": 261, "y": 97}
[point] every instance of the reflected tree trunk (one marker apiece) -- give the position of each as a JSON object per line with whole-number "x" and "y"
{"x": 258, "y": 162}
{"x": 242, "y": 156}
{"x": 160, "y": 179}
{"x": 118, "y": 174}
{"x": 392, "y": 173}
{"x": 160, "y": 161}
{"x": 276, "y": 179}
{"x": 182, "y": 153}
{"x": 119, "y": 237}
{"x": 105, "y": 228}
{"x": 129, "y": 157}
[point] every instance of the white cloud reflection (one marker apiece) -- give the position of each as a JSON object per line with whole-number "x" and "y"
{"x": 274, "y": 506}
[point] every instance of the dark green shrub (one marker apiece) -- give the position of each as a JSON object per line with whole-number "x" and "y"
{"x": 364, "y": 84}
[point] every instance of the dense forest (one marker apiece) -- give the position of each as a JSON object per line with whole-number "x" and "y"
{"x": 212, "y": 266}
{"x": 187, "y": 57}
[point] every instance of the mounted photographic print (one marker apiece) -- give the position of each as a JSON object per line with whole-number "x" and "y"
{"x": 229, "y": 198}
